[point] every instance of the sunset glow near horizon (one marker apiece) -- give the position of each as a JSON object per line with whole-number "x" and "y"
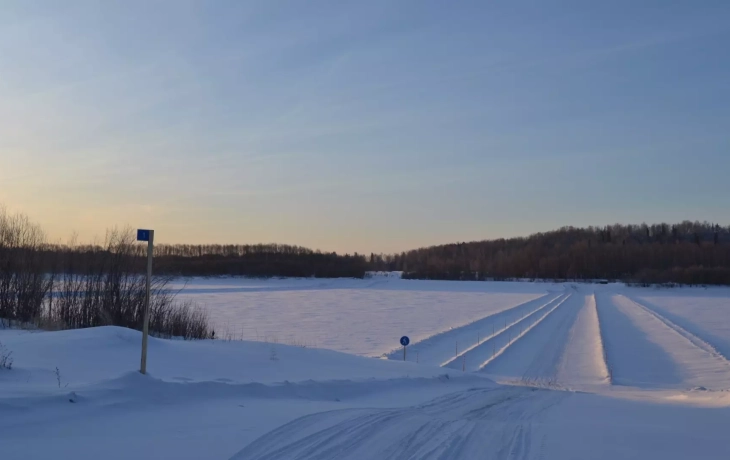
{"x": 374, "y": 126}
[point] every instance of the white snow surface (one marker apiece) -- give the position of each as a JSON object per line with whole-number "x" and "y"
{"x": 550, "y": 372}
{"x": 365, "y": 317}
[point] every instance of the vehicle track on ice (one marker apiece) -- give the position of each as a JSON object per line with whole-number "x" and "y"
{"x": 479, "y": 355}
{"x": 695, "y": 339}
{"x": 647, "y": 350}
{"x": 704, "y": 362}
{"x": 500, "y": 423}
{"x": 535, "y": 357}
{"x": 441, "y": 348}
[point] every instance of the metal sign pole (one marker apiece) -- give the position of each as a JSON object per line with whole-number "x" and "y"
{"x": 149, "y": 236}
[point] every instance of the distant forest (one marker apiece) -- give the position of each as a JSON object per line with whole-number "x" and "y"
{"x": 258, "y": 260}
{"x": 686, "y": 253}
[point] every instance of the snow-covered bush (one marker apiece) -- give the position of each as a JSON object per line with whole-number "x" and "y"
{"x": 6, "y": 360}
{"x": 77, "y": 286}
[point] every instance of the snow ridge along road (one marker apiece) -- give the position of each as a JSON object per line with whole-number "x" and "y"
{"x": 584, "y": 359}
{"x": 602, "y": 338}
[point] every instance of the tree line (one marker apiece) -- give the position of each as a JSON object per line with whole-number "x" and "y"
{"x": 61, "y": 286}
{"x": 686, "y": 253}
{"x": 257, "y": 260}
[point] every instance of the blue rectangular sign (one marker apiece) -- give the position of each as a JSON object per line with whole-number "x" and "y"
{"x": 143, "y": 235}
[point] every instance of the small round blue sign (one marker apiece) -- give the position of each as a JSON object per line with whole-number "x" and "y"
{"x": 405, "y": 340}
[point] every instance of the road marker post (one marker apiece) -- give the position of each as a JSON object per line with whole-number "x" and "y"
{"x": 149, "y": 237}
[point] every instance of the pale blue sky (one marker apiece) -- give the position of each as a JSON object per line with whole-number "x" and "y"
{"x": 363, "y": 125}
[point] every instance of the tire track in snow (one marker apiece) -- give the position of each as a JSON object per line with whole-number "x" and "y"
{"x": 503, "y": 422}
{"x": 478, "y": 354}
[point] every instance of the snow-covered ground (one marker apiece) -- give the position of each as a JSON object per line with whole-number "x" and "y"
{"x": 364, "y": 317}
{"x": 582, "y": 371}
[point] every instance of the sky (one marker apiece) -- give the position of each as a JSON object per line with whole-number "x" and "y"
{"x": 362, "y": 126}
